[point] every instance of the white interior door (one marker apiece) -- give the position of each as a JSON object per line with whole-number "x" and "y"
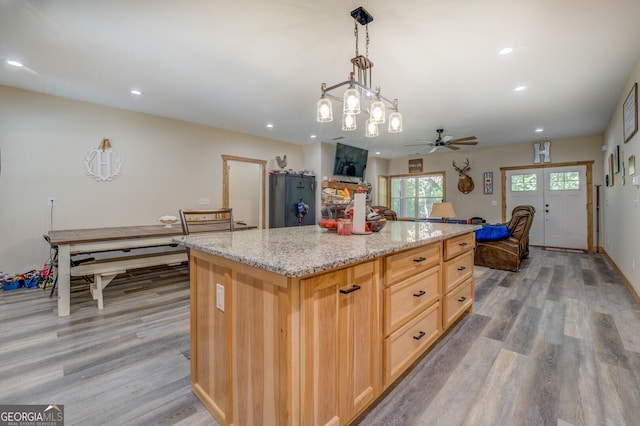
{"x": 559, "y": 195}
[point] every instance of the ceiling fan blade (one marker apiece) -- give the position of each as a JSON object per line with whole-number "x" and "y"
{"x": 455, "y": 148}
{"x": 435, "y": 147}
{"x": 447, "y": 138}
{"x": 421, "y": 144}
{"x": 468, "y": 138}
{"x": 464, "y": 143}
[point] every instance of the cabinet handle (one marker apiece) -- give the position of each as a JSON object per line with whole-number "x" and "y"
{"x": 420, "y": 335}
{"x": 351, "y": 290}
{"x": 462, "y": 299}
{"x": 463, "y": 244}
{"x": 419, "y": 294}
{"x": 420, "y": 259}
{"x": 462, "y": 268}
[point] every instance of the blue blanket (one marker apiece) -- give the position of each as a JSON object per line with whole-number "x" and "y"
{"x": 492, "y": 233}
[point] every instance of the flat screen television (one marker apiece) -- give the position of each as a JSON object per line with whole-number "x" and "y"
{"x": 350, "y": 161}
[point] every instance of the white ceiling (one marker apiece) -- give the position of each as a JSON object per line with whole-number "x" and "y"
{"x": 241, "y": 64}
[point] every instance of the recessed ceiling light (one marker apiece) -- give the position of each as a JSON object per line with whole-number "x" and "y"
{"x": 377, "y": 152}
{"x": 505, "y": 51}
{"x": 269, "y": 125}
{"x": 520, "y": 88}
{"x": 14, "y": 63}
{"x": 136, "y": 92}
{"x": 313, "y": 136}
{"x": 539, "y": 130}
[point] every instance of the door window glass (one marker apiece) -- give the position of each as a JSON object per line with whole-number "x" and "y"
{"x": 564, "y": 181}
{"x": 524, "y": 182}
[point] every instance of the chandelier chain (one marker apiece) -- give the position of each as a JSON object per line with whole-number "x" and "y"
{"x": 367, "y": 42}
{"x": 355, "y": 33}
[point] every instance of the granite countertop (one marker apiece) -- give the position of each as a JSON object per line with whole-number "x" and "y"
{"x": 304, "y": 250}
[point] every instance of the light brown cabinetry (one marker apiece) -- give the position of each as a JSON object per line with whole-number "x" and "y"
{"x": 408, "y": 263}
{"x": 457, "y": 301}
{"x": 239, "y": 334}
{"x": 412, "y": 309}
{"x": 318, "y": 350}
{"x": 342, "y": 352}
{"x": 458, "y": 277}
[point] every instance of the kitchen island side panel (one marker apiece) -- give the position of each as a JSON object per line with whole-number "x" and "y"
{"x": 242, "y": 363}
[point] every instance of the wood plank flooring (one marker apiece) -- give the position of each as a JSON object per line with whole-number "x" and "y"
{"x": 554, "y": 344}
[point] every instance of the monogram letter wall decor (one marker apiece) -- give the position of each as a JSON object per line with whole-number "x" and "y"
{"x": 546, "y": 152}
{"x": 103, "y": 163}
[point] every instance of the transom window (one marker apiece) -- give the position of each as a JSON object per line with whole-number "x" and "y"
{"x": 524, "y": 182}
{"x": 412, "y": 197}
{"x": 564, "y": 181}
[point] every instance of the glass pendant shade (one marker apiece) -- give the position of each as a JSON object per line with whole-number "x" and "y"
{"x": 372, "y": 129}
{"x": 377, "y": 112}
{"x": 348, "y": 122}
{"x": 395, "y": 122}
{"x": 351, "y": 101}
{"x": 325, "y": 110}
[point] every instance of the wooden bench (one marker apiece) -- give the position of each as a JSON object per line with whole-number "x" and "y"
{"x": 105, "y": 270}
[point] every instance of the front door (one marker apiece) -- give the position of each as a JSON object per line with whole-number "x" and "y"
{"x": 559, "y": 195}
{"x": 565, "y": 208}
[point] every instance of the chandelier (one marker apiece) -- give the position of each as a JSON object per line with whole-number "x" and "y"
{"x": 359, "y": 87}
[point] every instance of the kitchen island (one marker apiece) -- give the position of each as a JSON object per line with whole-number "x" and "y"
{"x": 302, "y": 326}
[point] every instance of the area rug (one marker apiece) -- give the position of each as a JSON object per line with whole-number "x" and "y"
{"x": 566, "y": 250}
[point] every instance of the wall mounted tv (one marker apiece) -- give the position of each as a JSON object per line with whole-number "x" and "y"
{"x": 350, "y": 161}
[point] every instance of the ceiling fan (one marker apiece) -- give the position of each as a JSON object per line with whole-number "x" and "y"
{"x": 447, "y": 141}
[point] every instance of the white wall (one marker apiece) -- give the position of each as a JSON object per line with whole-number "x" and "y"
{"x": 168, "y": 165}
{"x": 621, "y": 229}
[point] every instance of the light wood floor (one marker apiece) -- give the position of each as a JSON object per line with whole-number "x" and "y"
{"x": 554, "y": 344}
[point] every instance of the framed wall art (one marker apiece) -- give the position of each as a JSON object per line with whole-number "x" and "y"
{"x": 630, "y": 114}
{"x": 415, "y": 165}
{"x": 611, "y": 179}
{"x": 488, "y": 182}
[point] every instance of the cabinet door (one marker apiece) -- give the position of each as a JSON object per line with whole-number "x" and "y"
{"x": 360, "y": 333}
{"x": 342, "y": 351}
{"x": 320, "y": 349}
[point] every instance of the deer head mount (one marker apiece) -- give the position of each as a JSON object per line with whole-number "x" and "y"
{"x": 465, "y": 183}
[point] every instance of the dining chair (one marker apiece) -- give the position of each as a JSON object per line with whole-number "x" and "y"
{"x": 211, "y": 220}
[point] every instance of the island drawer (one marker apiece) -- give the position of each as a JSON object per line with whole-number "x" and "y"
{"x": 404, "y": 300}
{"x": 458, "y": 301}
{"x": 457, "y": 270}
{"x": 404, "y": 346}
{"x": 407, "y": 263}
{"x": 456, "y": 245}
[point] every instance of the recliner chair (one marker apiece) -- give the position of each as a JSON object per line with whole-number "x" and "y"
{"x": 507, "y": 254}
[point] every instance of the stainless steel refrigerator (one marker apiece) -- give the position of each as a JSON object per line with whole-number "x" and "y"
{"x": 292, "y": 200}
